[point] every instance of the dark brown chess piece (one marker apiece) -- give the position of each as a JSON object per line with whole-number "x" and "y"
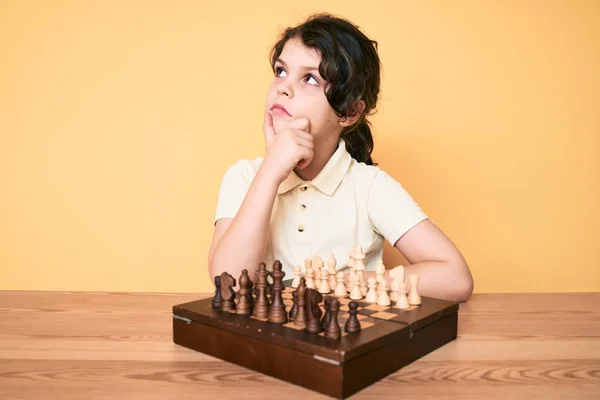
{"x": 277, "y": 312}
{"x": 261, "y": 306}
{"x": 332, "y": 329}
{"x": 244, "y": 306}
{"x": 227, "y": 292}
{"x": 327, "y": 316}
{"x": 313, "y": 311}
{"x": 216, "y": 302}
{"x": 352, "y": 324}
{"x": 300, "y": 317}
{"x": 294, "y": 308}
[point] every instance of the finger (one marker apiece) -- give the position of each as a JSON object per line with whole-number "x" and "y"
{"x": 300, "y": 124}
{"x": 308, "y": 143}
{"x": 307, "y": 156}
{"x": 304, "y": 135}
{"x": 268, "y": 127}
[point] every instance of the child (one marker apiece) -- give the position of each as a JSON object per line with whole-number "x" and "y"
{"x": 316, "y": 191}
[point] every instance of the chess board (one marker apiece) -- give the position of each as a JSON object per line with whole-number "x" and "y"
{"x": 389, "y": 339}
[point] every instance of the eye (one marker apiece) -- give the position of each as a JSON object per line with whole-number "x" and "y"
{"x": 278, "y": 71}
{"x": 315, "y": 80}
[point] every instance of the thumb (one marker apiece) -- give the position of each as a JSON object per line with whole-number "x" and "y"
{"x": 269, "y": 131}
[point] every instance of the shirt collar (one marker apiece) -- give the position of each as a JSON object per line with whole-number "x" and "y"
{"x": 330, "y": 176}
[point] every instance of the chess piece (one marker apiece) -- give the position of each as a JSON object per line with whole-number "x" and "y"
{"x": 340, "y": 289}
{"x": 317, "y": 264}
{"x": 294, "y": 308}
{"x": 261, "y": 307}
{"x": 353, "y": 324}
{"x": 379, "y": 271}
{"x": 414, "y": 298}
{"x": 277, "y": 312}
{"x": 402, "y": 302}
{"x": 309, "y": 274}
{"x": 300, "y": 317}
{"x": 397, "y": 274}
{"x": 383, "y": 299}
{"x": 216, "y": 301}
{"x": 327, "y": 316}
{"x": 332, "y": 329}
{"x": 313, "y": 311}
{"x": 227, "y": 292}
{"x": 331, "y": 264}
{"x": 355, "y": 294}
{"x": 324, "y": 286}
{"x": 244, "y": 306}
{"x": 297, "y": 276}
{"x": 350, "y": 279}
{"x": 395, "y": 287}
{"x": 372, "y": 293}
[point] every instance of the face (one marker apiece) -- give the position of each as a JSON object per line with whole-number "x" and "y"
{"x": 298, "y": 91}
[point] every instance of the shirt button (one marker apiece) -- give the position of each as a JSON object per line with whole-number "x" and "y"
{"x": 302, "y": 207}
{"x": 300, "y": 228}
{"x": 303, "y": 188}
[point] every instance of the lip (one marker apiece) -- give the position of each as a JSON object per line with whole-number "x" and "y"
{"x": 279, "y": 109}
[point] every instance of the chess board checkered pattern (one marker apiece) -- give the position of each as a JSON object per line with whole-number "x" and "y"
{"x": 368, "y": 314}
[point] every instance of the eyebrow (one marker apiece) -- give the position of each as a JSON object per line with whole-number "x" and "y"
{"x": 306, "y": 67}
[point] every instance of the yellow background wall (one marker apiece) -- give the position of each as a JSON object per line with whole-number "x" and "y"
{"x": 118, "y": 119}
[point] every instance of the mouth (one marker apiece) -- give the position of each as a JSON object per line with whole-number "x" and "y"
{"x": 280, "y": 110}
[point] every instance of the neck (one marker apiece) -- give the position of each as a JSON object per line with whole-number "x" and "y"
{"x": 322, "y": 154}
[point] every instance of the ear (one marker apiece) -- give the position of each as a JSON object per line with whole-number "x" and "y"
{"x": 351, "y": 120}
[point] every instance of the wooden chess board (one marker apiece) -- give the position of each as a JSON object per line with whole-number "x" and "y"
{"x": 389, "y": 339}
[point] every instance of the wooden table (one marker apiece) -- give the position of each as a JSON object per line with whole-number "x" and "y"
{"x": 58, "y": 345}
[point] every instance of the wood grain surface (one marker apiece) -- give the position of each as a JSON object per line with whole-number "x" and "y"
{"x": 62, "y": 345}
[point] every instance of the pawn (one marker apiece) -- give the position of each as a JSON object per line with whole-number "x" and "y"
{"x": 402, "y": 302}
{"x": 327, "y": 315}
{"x": 353, "y": 324}
{"x": 294, "y": 309}
{"x": 340, "y": 289}
{"x": 372, "y": 293}
{"x": 297, "y": 276}
{"x": 310, "y": 282}
{"x": 331, "y": 263}
{"x": 216, "y": 302}
{"x": 244, "y": 306}
{"x": 383, "y": 299}
{"x": 333, "y": 329}
{"x": 324, "y": 286}
{"x": 414, "y": 298}
{"x": 395, "y": 286}
{"x": 355, "y": 294}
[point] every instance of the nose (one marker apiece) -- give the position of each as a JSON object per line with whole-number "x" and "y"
{"x": 284, "y": 89}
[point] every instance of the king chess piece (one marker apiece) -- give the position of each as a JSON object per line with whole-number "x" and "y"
{"x": 277, "y": 312}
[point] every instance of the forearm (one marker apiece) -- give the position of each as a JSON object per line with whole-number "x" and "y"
{"x": 438, "y": 279}
{"x": 244, "y": 244}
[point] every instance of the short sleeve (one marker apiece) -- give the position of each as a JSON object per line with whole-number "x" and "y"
{"x": 392, "y": 210}
{"x": 233, "y": 189}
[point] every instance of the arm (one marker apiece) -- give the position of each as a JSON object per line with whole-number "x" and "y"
{"x": 443, "y": 272}
{"x": 240, "y": 243}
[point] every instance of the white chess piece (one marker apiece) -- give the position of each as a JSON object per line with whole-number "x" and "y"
{"x": 402, "y": 302}
{"x": 324, "y": 286}
{"x": 349, "y": 279}
{"x": 379, "y": 271}
{"x": 395, "y": 287}
{"x": 340, "y": 289}
{"x": 372, "y": 292}
{"x": 414, "y": 298}
{"x": 397, "y": 274}
{"x": 317, "y": 264}
{"x": 355, "y": 294}
{"x": 309, "y": 278}
{"x": 383, "y": 299}
{"x": 297, "y": 276}
{"x": 331, "y": 264}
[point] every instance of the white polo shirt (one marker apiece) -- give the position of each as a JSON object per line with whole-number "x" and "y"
{"x": 348, "y": 203}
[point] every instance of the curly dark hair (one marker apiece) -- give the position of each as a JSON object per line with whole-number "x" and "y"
{"x": 351, "y": 66}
